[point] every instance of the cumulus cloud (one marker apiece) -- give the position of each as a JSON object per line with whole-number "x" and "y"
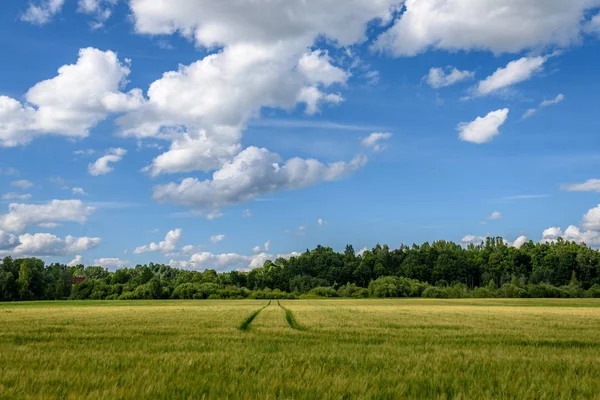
{"x": 22, "y": 216}
{"x": 571, "y": 234}
{"x": 483, "y": 129}
{"x": 317, "y": 68}
{"x": 102, "y": 166}
{"x": 499, "y": 26}
{"x": 546, "y": 103}
{"x": 169, "y": 245}
{"x": 46, "y": 244}
{"x": 590, "y": 234}
{"x": 591, "y": 185}
{"x": 42, "y": 13}
{"x": 78, "y": 191}
{"x": 438, "y": 78}
{"x": 253, "y": 172}
{"x": 515, "y": 72}
{"x": 520, "y": 241}
{"x": 195, "y": 151}
{"x": 109, "y": 263}
{"x": 67, "y": 105}
{"x": 591, "y": 220}
{"x": 374, "y": 140}
{"x": 217, "y": 238}
{"x": 78, "y": 260}
{"x": 228, "y": 261}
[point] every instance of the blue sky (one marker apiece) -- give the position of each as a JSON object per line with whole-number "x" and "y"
{"x": 196, "y": 132}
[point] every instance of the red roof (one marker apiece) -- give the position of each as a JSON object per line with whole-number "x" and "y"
{"x": 78, "y": 279}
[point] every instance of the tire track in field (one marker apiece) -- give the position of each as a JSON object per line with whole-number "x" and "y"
{"x": 245, "y": 325}
{"x": 291, "y": 320}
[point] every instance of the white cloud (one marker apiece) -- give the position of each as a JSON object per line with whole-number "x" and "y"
{"x": 228, "y": 261}
{"x": 438, "y": 78}
{"x": 495, "y": 215}
{"x": 317, "y": 68}
{"x": 16, "y": 196}
{"x": 472, "y": 239}
{"x": 247, "y": 213}
{"x": 515, "y": 72}
{"x": 102, "y": 165}
{"x": 572, "y": 234}
{"x": 68, "y": 104}
{"x": 520, "y": 241}
{"x": 49, "y": 225}
{"x": 591, "y": 220}
{"x": 265, "y": 248}
{"x": 22, "y": 184}
{"x": 169, "y": 245}
{"x": 101, "y": 10}
{"x": 591, "y": 185}
{"x": 252, "y": 173}
{"x": 546, "y": 103}
{"x": 78, "y": 260}
{"x": 374, "y": 140}
{"x": 321, "y": 223}
{"x": 559, "y": 98}
{"x": 22, "y": 216}
{"x": 195, "y": 151}
{"x": 43, "y": 12}
{"x": 499, "y": 26}
{"x": 78, "y": 191}
{"x": 111, "y": 263}
{"x": 483, "y": 129}
{"x": 212, "y": 22}
{"x": 217, "y": 238}
{"x": 46, "y": 244}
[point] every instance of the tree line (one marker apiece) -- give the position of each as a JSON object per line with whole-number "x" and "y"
{"x": 439, "y": 270}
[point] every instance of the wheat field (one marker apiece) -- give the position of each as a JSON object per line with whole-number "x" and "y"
{"x": 305, "y": 349}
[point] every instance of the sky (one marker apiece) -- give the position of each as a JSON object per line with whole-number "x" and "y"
{"x": 217, "y": 134}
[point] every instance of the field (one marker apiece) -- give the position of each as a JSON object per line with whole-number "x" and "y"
{"x": 380, "y": 349}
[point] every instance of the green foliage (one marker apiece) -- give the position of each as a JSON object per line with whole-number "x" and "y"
{"x": 441, "y": 269}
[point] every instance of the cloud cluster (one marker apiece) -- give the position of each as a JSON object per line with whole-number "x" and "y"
{"x": 44, "y": 244}
{"x": 67, "y": 105}
{"x": 22, "y": 216}
{"x": 253, "y": 172}
{"x": 228, "y": 261}
{"x": 498, "y": 26}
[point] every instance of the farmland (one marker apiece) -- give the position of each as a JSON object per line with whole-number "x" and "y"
{"x": 410, "y": 348}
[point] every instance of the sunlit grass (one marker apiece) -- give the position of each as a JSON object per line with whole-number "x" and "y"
{"x": 467, "y": 349}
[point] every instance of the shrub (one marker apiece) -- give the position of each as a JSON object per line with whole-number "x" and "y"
{"x": 434, "y": 292}
{"x": 323, "y": 291}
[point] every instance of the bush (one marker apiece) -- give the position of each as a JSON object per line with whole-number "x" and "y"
{"x": 323, "y": 291}
{"x": 509, "y": 290}
{"x": 543, "y": 290}
{"x": 353, "y": 291}
{"x": 434, "y": 292}
{"x": 483, "y": 293}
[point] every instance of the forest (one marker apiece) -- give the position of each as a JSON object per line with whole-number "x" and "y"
{"x": 560, "y": 269}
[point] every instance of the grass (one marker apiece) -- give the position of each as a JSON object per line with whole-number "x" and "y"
{"x": 245, "y": 325}
{"x": 291, "y": 320}
{"x": 378, "y": 349}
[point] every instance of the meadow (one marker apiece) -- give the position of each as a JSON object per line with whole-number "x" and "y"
{"x": 305, "y": 349}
